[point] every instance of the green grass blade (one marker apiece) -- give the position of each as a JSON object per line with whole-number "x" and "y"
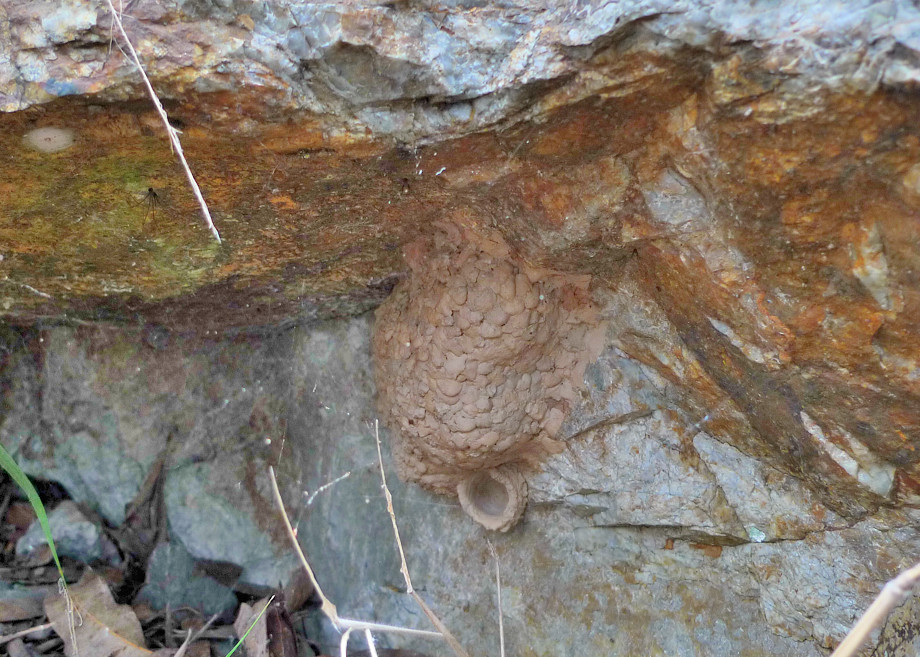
{"x": 252, "y": 625}
{"x": 14, "y": 471}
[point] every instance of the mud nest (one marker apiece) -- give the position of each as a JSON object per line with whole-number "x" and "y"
{"x": 477, "y": 358}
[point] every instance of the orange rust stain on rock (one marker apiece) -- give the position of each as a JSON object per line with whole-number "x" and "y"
{"x": 548, "y": 201}
{"x": 565, "y": 136}
{"x": 808, "y": 219}
{"x": 284, "y": 202}
{"x": 291, "y": 138}
{"x": 818, "y": 512}
{"x": 841, "y": 331}
{"x": 809, "y": 320}
{"x": 713, "y": 551}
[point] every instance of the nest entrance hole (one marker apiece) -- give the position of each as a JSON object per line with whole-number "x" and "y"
{"x": 488, "y": 494}
{"x": 494, "y": 498}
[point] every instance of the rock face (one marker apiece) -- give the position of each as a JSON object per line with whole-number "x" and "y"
{"x": 476, "y": 359}
{"x": 646, "y": 533}
{"x": 741, "y": 184}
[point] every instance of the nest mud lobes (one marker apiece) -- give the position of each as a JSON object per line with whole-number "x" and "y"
{"x": 477, "y": 357}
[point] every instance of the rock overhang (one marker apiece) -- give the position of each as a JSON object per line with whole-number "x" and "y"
{"x": 731, "y": 171}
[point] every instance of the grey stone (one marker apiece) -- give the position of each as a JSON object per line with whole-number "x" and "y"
{"x": 79, "y": 429}
{"x": 222, "y": 521}
{"x": 172, "y": 582}
{"x": 900, "y": 636}
{"x": 74, "y": 536}
{"x": 645, "y": 535}
{"x": 23, "y": 602}
{"x": 596, "y": 548}
{"x": 627, "y": 474}
{"x": 770, "y": 504}
{"x": 649, "y": 533}
{"x": 105, "y": 406}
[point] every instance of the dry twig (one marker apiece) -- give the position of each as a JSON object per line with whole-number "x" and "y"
{"x": 170, "y": 131}
{"x": 343, "y": 643}
{"x": 404, "y": 569}
{"x": 326, "y": 605}
{"x": 25, "y": 632}
{"x": 893, "y": 594}
{"x": 185, "y": 644}
{"x": 498, "y": 587}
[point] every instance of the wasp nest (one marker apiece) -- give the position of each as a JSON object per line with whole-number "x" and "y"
{"x": 477, "y": 358}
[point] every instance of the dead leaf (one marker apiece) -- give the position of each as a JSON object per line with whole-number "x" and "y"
{"x": 101, "y": 627}
{"x": 19, "y": 515}
{"x": 145, "y": 518}
{"x": 282, "y": 641}
{"x": 297, "y": 590}
{"x": 256, "y": 642}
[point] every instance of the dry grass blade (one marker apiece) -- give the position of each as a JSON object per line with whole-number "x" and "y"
{"x": 326, "y": 605}
{"x": 170, "y": 131}
{"x": 894, "y": 593}
{"x": 105, "y": 628}
{"x": 404, "y": 568}
{"x": 498, "y": 588}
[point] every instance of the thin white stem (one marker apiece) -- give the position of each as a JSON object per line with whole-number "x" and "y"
{"x": 383, "y": 627}
{"x": 498, "y": 587}
{"x": 204, "y": 627}
{"x": 170, "y": 131}
{"x": 893, "y": 594}
{"x": 26, "y": 632}
{"x": 73, "y": 613}
{"x": 185, "y": 644}
{"x": 370, "y": 643}
{"x": 343, "y": 643}
{"x": 404, "y": 568}
{"x": 326, "y": 605}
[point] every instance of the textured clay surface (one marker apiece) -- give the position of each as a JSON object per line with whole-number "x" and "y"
{"x": 477, "y": 358}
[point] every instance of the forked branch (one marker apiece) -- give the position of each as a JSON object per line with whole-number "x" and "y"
{"x": 326, "y": 605}
{"x": 404, "y": 568}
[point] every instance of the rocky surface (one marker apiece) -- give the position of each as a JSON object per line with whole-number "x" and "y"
{"x": 741, "y": 185}
{"x": 172, "y": 582}
{"x": 74, "y": 536}
{"x": 646, "y": 533}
